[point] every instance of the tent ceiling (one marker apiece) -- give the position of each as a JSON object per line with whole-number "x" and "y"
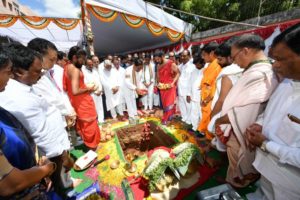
{"x": 117, "y": 37}
{"x": 63, "y": 39}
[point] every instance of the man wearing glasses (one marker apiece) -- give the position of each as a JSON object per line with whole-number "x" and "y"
{"x": 245, "y": 101}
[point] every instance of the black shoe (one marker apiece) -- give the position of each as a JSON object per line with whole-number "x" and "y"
{"x": 199, "y": 134}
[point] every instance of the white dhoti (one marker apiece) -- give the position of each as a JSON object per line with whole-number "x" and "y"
{"x": 99, "y": 107}
{"x": 185, "y": 109}
{"x": 148, "y": 99}
{"x": 195, "y": 114}
{"x": 117, "y": 109}
{"x": 131, "y": 105}
{"x": 156, "y": 99}
{"x": 129, "y": 91}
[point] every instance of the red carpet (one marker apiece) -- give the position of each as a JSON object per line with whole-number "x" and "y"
{"x": 205, "y": 173}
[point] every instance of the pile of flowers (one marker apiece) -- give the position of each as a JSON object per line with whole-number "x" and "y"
{"x": 176, "y": 159}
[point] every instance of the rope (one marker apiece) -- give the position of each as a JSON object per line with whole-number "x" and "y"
{"x": 204, "y": 17}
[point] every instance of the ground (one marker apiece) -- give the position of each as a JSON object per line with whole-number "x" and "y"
{"x": 110, "y": 180}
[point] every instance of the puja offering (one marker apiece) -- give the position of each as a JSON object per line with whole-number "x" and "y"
{"x": 100, "y": 161}
{"x": 107, "y": 133}
{"x": 130, "y": 166}
{"x": 143, "y": 92}
{"x": 166, "y": 166}
{"x": 114, "y": 164}
{"x": 85, "y": 161}
{"x": 164, "y": 86}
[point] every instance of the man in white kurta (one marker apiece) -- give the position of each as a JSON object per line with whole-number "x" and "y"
{"x": 41, "y": 119}
{"x": 184, "y": 84}
{"x": 148, "y": 82}
{"x": 278, "y": 139}
{"x": 133, "y": 82}
{"x": 91, "y": 76}
{"x": 196, "y": 94}
{"x": 279, "y": 163}
{"x": 111, "y": 85}
{"x": 121, "y": 77}
{"x": 48, "y": 88}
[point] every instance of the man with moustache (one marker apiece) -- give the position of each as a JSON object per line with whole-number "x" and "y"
{"x": 276, "y": 137}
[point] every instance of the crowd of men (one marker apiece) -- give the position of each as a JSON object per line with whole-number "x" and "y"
{"x": 245, "y": 102}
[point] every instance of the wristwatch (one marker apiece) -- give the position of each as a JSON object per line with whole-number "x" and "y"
{"x": 263, "y": 146}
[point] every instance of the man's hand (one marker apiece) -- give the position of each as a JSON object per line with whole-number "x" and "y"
{"x": 254, "y": 136}
{"x": 188, "y": 99}
{"x": 71, "y": 120}
{"x": 139, "y": 91}
{"x": 206, "y": 101}
{"x": 91, "y": 87}
{"x": 115, "y": 89}
{"x": 49, "y": 166}
{"x": 222, "y": 120}
{"x": 147, "y": 84}
{"x": 172, "y": 85}
{"x": 98, "y": 92}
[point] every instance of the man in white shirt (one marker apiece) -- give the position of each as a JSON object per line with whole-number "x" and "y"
{"x": 148, "y": 81}
{"x": 47, "y": 87}
{"x": 277, "y": 136}
{"x": 133, "y": 82}
{"x": 111, "y": 85}
{"x": 196, "y": 92}
{"x": 121, "y": 73}
{"x": 91, "y": 76}
{"x": 41, "y": 119}
{"x": 184, "y": 84}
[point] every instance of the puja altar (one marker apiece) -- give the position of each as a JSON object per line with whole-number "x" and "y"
{"x": 147, "y": 160}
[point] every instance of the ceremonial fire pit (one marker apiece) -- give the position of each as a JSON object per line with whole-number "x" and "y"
{"x": 143, "y": 137}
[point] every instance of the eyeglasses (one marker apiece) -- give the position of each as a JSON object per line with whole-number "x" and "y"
{"x": 236, "y": 54}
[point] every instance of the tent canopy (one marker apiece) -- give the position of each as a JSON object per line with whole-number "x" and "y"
{"x": 119, "y": 27}
{"x": 64, "y": 33}
{"x": 127, "y": 26}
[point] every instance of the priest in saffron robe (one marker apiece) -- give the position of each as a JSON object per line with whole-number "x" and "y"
{"x": 208, "y": 86}
{"x": 81, "y": 100}
{"x": 167, "y": 77}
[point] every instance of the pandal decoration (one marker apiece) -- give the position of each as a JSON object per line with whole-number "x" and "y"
{"x": 177, "y": 160}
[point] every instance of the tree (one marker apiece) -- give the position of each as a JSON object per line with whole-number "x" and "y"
{"x": 232, "y": 10}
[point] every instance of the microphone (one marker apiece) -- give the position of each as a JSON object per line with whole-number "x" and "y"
{"x": 100, "y": 161}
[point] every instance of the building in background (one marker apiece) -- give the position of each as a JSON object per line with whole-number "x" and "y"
{"x": 13, "y": 7}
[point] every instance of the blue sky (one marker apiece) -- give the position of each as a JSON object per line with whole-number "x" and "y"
{"x": 53, "y": 8}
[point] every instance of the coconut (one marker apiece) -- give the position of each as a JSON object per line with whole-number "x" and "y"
{"x": 108, "y": 137}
